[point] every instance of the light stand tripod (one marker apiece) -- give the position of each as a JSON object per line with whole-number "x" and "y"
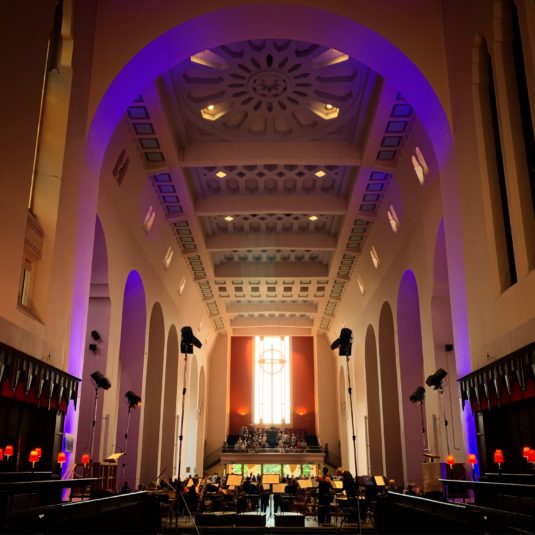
{"x": 133, "y": 402}
{"x": 350, "y": 391}
{"x": 100, "y": 382}
{"x": 93, "y": 425}
{"x": 188, "y": 340}
{"x": 181, "y": 436}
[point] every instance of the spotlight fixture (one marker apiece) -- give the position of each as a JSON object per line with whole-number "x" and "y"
{"x": 329, "y": 107}
{"x": 221, "y": 174}
{"x": 313, "y": 218}
{"x": 188, "y": 340}
{"x": 210, "y": 107}
{"x": 435, "y": 380}
{"x": 418, "y": 395}
{"x": 133, "y": 399}
{"x": 228, "y": 218}
{"x": 344, "y": 342}
{"x": 96, "y": 336}
{"x": 100, "y": 380}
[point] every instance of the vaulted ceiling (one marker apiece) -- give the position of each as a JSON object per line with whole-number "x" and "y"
{"x": 255, "y": 150}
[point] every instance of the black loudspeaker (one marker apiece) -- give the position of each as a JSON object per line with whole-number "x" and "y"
{"x": 290, "y": 520}
{"x": 251, "y": 520}
{"x": 101, "y": 381}
{"x": 448, "y": 347}
{"x": 215, "y": 519}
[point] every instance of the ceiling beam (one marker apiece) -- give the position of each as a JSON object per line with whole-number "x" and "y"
{"x": 276, "y": 307}
{"x": 281, "y": 152}
{"x": 258, "y": 270}
{"x": 320, "y": 241}
{"x": 271, "y": 204}
{"x": 271, "y": 322}
{"x": 272, "y": 331}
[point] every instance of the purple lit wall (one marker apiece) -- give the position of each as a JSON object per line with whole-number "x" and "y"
{"x": 452, "y": 362}
{"x": 411, "y": 372}
{"x": 131, "y": 356}
{"x": 98, "y": 319}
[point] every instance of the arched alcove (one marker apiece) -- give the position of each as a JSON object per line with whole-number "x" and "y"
{"x": 390, "y": 398}
{"x": 152, "y": 412}
{"x": 200, "y": 420}
{"x": 344, "y": 417}
{"x": 131, "y": 359}
{"x": 98, "y": 321}
{"x": 445, "y": 439}
{"x": 169, "y": 417}
{"x": 411, "y": 370}
{"x": 375, "y": 436}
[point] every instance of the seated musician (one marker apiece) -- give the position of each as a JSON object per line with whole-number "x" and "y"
{"x": 324, "y": 497}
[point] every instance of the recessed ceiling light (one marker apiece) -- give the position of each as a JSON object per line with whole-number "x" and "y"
{"x": 320, "y": 173}
{"x": 329, "y": 106}
{"x": 211, "y": 107}
{"x": 313, "y": 218}
{"x": 221, "y": 174}
{"x": 229, "y": 218}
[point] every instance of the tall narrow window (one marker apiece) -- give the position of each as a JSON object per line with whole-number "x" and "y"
{"x": 501, "y": 186}
{"x": 272, "y": 380}
{"x": 523, "y": 100}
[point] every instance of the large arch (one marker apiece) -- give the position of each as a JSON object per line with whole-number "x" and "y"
{"x": 411, "y": 371}
{"x": 152, "y": 413}
{"x": 245, "y": 22}
{"x": 390, "y": 397}
{"x": 131, "y": 359}
{"x": 375, "y": 435}
{"x": 169, "y": 430}
{"x": 98, "y": 320}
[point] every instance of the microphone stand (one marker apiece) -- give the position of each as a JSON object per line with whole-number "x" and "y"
{"x": 350, "y": 391}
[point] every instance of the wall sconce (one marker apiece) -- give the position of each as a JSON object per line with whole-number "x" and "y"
{"x": 498, "y": 458}
{"x": 62, "y": 458}
{"x": 34, "y": 458}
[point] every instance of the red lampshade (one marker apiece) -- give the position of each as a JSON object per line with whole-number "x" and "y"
{"x": 34, "y": 456}
{"x": 531, "y": 456}
{"x": 1, "y": 454}
{"x": 450, "y": 460}
{"x": 85, "y": 458}
{"x": 498, "y": 456}
{"x": 8, "y": 451}
{"x": 62, "y": 457}
{"x": 39, "y": 452}
{"x": 472, "y": 459}
{"x": 525, "y": 452}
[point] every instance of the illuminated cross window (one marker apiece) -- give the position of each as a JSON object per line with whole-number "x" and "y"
{"x": 272, "y": 380}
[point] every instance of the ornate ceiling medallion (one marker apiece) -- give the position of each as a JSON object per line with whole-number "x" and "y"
{"x": 269, "y": 89}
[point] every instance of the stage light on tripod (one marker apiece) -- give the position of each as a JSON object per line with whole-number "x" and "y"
{"x": 188, "y": 340}
{"x": 100, "y": 380}
{"x": 435, "y": 379}
{"x": 418, "y": 395}
{"x": 133, "y": 399}
{"x": 343, "y": 342}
